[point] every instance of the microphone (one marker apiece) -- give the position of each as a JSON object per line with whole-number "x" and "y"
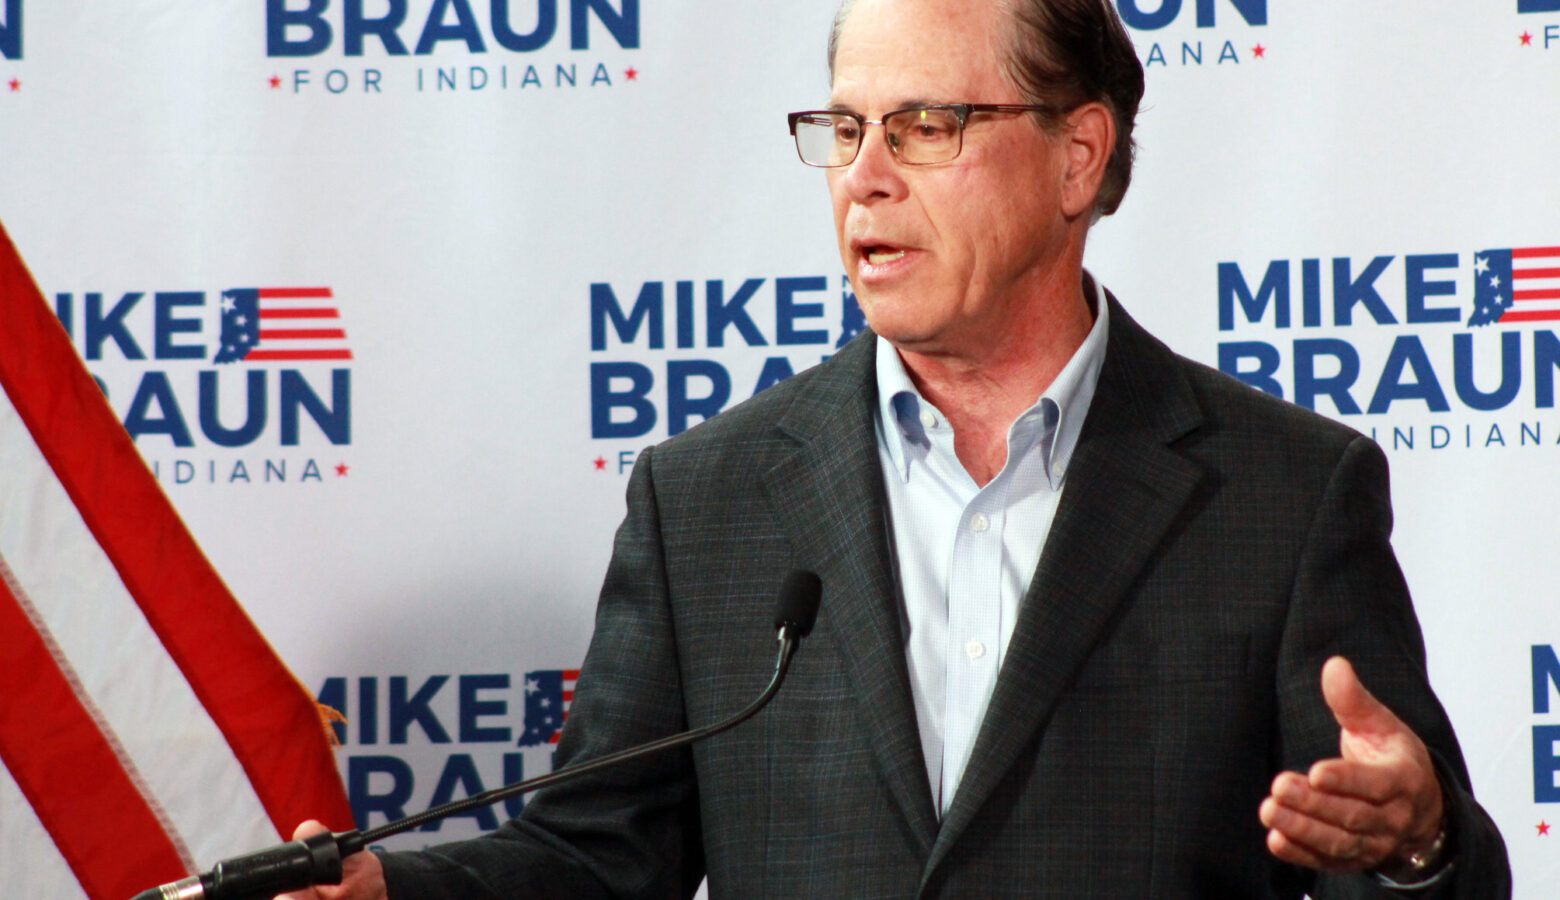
{"x": 317, "y": 859}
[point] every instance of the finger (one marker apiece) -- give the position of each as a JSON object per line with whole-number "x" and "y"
{"x": 304, "y": 829}
{"x": 1348, "y": 778}
{"x": 1354, "y": 707}
{"x": 1351, "y": 814}
{"x": 1333, "y": 848}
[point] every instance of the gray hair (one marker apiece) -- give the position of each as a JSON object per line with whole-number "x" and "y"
{"x": 1061, "y": 55}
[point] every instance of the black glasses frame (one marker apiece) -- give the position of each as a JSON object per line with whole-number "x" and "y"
{"x": 962, "y": 111}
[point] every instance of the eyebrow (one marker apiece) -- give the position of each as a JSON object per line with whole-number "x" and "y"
{"x": 906, "y": 104}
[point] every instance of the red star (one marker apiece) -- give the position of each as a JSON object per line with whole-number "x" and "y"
{"x": 341, "y": 470}
{"x": 15, "y": 85}
{"x": 601, "y": 464}
{"x": 1527, "y": 39}
{"x": 1259, "y": 51}
{"x": 1543, "y": 827}
{"x": 631, "y": 73}
{"x": 276, "y": 82}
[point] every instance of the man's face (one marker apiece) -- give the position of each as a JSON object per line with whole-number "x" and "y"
{"x": 943, "y": 256}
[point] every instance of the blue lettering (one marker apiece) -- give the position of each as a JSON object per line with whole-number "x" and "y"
{"x": 1309, "y": 386}
{"x": 355, "y": 26}
{"x": 603, "y": 400}
{"x": 648, "y": 308}
{"x": 1253, "y": 11}
{"x": 335, "y": 421}
{"x": 254, "y": 410}
{"x": 392, "y": 803}
{"x": 472, "y": 708}
{"x": 1546, "y": 672}
{"x": 1419, "y": 289}
{"x": 679, "y": 406}
{"x": 1510, "y": 372}
{"x": 1228, "y": 54}
{"x": 720, "y": 314}
{"x": 1535, "y": 6}
{"x": 514, "y": 771}
{"x": 278, "y": 18}
{"x": 166, "y": 325}
{"x": 1348, "y": 291}
{"x": 1274, "y": 289}
{"x": 368, "y": 710}
{"x": 275, "y": 469}
{"x": 1134, "y": 17}
{"x": 464, "y": 28}
{"x": 1266, "y": 355}
{"x": 460, "y": 771}
{"x": 537, "y": 38}
{"x": 1546, "y": 359}
{"x": 405, "y": 710}
{"x": 100, "y": 328}
{"x": 154, "y": 388}
{"x": 1408, "y": 352}
{"x": 1311, "y": 292}
{"x": 787, "y": 311}
{"x": 11, "y": 31}
{"x": 64, "y": 310}
{"x": 776, "y": 369}
{"x": 1545, "y": 764}
{"x": 622, "y": 25}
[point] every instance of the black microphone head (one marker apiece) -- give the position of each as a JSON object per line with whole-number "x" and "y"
{"x": 797, "y": 608}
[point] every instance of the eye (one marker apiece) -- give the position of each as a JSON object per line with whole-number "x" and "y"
{"x": 846, "y": 131}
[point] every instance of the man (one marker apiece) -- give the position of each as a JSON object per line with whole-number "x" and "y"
{"x": 1140, "y": 710}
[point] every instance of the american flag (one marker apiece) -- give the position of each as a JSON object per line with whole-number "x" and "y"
{"x": 1517, "y": 285}
{"x": 548, "y": 694}
{"x": 281, "y": 324}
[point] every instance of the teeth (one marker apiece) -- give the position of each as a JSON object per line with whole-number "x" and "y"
{"x": 879, "y": 257}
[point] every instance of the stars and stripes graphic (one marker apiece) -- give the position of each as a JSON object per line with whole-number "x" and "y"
{"x": 147, "y": 729}
{"x": 548, "y": 694}
{"x": 281, "y": 324}
{"x": 1521, "y": 284}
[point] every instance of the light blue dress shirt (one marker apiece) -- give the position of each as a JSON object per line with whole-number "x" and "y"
{"x": 965, "y": 554}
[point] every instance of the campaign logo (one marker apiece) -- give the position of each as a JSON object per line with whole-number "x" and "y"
{"x": 267, "y": 402}
{"x": 409, "y": 745}
{"x": 1206, "y": 33}
{"x": 1479, "y": 373}
{"x": 1549, "y": 34}
{"x": 452, "y": 46}
{"x": 1546, "y": 734}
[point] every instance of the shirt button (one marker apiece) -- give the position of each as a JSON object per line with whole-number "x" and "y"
{"x": 928, "y": 419}
{"x": 979, "y": 523}
{"x": 975, "y": 649}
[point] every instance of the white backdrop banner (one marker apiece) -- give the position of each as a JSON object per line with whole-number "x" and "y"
{"x": 390, "y": 294}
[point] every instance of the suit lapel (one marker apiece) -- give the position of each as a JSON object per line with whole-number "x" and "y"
{"x": 1124, "y": 489}
{"x": 828, "y": 492}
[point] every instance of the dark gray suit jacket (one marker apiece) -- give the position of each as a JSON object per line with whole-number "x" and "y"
{"x": 1212, "y": 548}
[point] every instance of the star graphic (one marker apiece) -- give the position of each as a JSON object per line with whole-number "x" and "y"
{"x": 276, "y": 82}
{"x": 544, "y": 703}
{"x": 1543, "y": 827}
{"x": 341, "y": 470}
{"x": 239, "y": 320}
{"x": 532, "y": 686}
{"x": 227, "y": 303}
{"x": 1480, "y": 265}
{"x": 601, "y": 464}
{"x": 631, "y": 73}
{"x": 1259, "y": 51}
{"x": 1494, "y": 281}
{"x": 1527, "y": 39}
{"x": 16, "y": 85}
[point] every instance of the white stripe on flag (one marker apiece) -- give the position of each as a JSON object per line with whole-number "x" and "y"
{"x": 28, "y": 856}
{"x": 144, "y": 698}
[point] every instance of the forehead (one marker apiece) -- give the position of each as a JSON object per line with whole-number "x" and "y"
{"x": 892, "y": 53}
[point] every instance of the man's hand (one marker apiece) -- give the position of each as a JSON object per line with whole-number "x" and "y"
{"x": 362, "y": 878}
{"x": 1372, "y": 807}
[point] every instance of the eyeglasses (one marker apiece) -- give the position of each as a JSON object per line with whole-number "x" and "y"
{"x": 917, "y": 135}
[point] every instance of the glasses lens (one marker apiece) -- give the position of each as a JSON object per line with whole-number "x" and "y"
{"x": 827, "y": 139}
{"x": 928, "y": 135}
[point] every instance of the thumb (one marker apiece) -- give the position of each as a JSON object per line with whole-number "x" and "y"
{"x": 1355, "y": 708}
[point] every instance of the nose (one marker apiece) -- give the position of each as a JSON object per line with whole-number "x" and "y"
{"x": 874, "y": 174}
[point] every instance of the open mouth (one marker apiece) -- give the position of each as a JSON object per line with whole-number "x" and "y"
{"x": 880, "y": 255}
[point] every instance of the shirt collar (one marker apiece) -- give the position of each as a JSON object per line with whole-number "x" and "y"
{"x": 1066, "y": 400}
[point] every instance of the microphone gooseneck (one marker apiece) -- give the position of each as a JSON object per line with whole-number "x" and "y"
{"x": 317, "y": 859}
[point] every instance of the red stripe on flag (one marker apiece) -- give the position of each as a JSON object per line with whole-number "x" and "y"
{"x": 270, "y": 720}
{"x": 74, "y": 778}
{"x": 295, "y": 355}
{"x": 322, "y": 313}
{"x": 1536, "y": 295}
{"x": 294, "y": 293}
{"x": 1535, "y": 273}
{"x": 1537, "y": 315}
{"x": 1531, "y": 252}
{"x": 285, "y": 334}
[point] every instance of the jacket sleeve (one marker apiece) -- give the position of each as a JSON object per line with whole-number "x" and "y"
{"x": 1350, "y": 600}
{"x": 631, "y": 831}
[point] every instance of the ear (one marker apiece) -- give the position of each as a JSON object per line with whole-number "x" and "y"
{"x": 1089, "y": 139}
